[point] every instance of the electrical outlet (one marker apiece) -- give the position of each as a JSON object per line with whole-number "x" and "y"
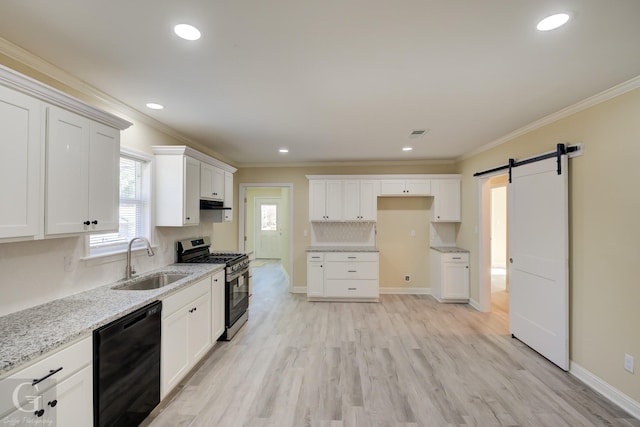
{"x": 407, "y": 278}
{"x": 628, "y": 363}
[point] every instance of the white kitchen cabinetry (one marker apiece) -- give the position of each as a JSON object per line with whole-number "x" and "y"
{"x": 211, "y": 182}
{"x": 446, "y": 202}
{"x": 360, "y": 201}
{"x": 217, "y": 305}
{"x": 405, "y": 187}
{"x": 343, "y": 275}
{"x": 325, "y": 200}
{"x": 20, "y": 165}
{"x": 186, "y": 332}
{"x": 315, "y": 274}
{"x": 450, "y": 276}
{"x": 64, "y": 398}
{"x": 82, "y": 174}
{"x": 177, "y": 190}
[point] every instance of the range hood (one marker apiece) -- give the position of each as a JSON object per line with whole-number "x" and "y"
{"x": 211, "y": 205}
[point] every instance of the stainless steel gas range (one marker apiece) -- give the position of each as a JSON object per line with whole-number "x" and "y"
{"x": 197, "y": 250}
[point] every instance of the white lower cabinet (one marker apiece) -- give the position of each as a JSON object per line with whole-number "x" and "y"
{"x": 315, "y": 275}
{"x": 343, "y": 275}
{"x": 64, "y": 396}
{"x": 186, "y": 332}
{"x": 217, "y": 305}
{"x": 450, "y": 276}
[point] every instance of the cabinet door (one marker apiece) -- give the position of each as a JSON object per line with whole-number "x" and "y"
{"x": 315, "y": 279}
{"x": 446, "y": 200}
{"x": 199, "y": 327}
{"x": 206, "y": 181}
{"x": 228, "y": 196}
{"x": 369, "y": 191}
{"x": 104, "y": 178}
{"x": 418, "y": 187}
{"x": 191, "y": 191}
{"x": 218, "y": 184}
{"x": 67, "y": 173}
{"x": 455, "y": 278}
{"x": 351, "y": 200}
{"x": 217, "y": 306}
{"x": 20, "y": 165}
{"x": 392, "y": 187}
{"x": 333, "y": 207}
{"x": 74, "y": 400}
{"x": 175, "y": 350}
{"x": 317, "y": 197}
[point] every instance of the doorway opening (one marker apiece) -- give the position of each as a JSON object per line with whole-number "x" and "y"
{"x": 265, "y": 228}
{"x": 494, "y": 269}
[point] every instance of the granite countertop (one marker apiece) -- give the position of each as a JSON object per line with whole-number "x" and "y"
{"x": 28, "y": 334}
{"x": 342, "y": 249}
{"x": 448, "y": 249}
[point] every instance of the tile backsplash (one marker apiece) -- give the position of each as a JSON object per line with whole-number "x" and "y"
{"x": 343, "y": 233}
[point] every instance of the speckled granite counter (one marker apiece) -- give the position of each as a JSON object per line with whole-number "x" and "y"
{"x": 342, "y": 249}
{"x": 448, "y": 249}
{"x": 28, "y": 334}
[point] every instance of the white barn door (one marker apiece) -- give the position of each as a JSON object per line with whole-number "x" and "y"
{"x": 539, "y": 258}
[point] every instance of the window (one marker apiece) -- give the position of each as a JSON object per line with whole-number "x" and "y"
{"x": 134, "y": 207}
{"x": 269, "y": 217}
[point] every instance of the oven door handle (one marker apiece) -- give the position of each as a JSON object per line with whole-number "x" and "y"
{"x": 237, "y": 274}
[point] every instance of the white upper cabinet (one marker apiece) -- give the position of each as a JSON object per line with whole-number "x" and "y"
{"x": 360, "y": 200}
{"x": 446, "y": 202}
{"x": 20, "y": 165}
{"x": 183, "y": 177}
{"x": 211, "y": 182}
{"x": 325, "y": 200}
{"x": 405, "y": 187}
{"x": 177, "y": 190}
{"x": 82, "y": 174}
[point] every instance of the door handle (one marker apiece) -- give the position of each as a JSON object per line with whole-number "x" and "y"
{"x": 510, "y": 260}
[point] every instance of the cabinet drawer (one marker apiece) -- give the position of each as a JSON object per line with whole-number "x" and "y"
{"x": 351, "y": 256}
{"x": 315, "y": 256}
{"x": 455, "y": 257}
{"x": 351, "y": 270}
{"x": 351, "y": 288}
{"x": 176, "y": 301}
{"x": 71, "y": 360}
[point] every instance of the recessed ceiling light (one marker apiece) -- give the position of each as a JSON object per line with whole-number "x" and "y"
{"x": 187, "y": 32}
{"x": 552, "y": 22}
{"x": 155, "y": 106}
{"x": 407, "y": 148}
{"x": 284, "y": 150}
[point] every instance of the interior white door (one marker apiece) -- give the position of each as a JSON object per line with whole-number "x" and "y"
{"x": 538, "y": 258}
{"x": 268, "y": 228}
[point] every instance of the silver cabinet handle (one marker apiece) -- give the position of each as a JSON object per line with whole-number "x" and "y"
{"x": 351, "y": 271}
{"x": 352, "y": 289}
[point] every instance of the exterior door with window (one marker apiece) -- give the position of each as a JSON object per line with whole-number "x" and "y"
{"x": 268, "y": 230}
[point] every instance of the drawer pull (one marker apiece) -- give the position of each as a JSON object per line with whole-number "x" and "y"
{"x": 39, "y": 413}
{"x": 351, "y": 271}
{"x": 352, "y": 257}
{"x": 51, "y": 372}
{"x": 352, "y": 289}
{"x": 456, "y": 257}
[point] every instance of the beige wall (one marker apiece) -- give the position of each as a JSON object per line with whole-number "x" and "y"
{"x": 604, "y": 233}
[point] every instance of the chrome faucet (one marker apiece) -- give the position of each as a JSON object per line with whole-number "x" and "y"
{"x": 130, "y": 271}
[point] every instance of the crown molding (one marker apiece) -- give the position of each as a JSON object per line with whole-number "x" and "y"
{"x": 599, "y": 98}
{"x": 183, "y": 150}
{"x": 349, "y": 163}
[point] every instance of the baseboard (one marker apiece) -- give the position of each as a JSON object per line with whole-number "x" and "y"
{"x": 607, "y": 390}
{"x": 406, "y": 291}
{"x": 475, "y": 304}
{"x": 299, "y": 290}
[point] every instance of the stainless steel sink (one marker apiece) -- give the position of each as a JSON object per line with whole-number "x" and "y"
{"x": 151, "y": 282}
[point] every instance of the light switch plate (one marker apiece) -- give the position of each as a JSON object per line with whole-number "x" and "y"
{"x": 628, "y": 363}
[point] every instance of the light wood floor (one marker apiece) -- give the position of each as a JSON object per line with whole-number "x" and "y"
{"x": 406, "y": 361}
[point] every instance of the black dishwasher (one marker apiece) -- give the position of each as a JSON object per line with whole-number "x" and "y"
{"x": 126, "y": 368}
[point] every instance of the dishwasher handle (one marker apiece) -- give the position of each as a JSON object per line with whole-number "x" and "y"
{"x": 129, "y": 321}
